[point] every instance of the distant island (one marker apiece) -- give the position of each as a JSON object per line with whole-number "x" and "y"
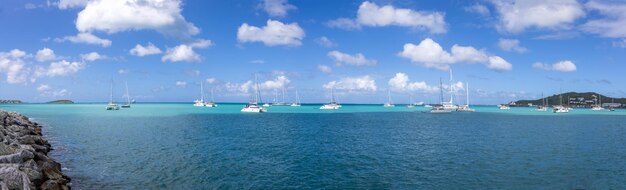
{"x": 575, "y": 99}
{"x": 61, "y": 102}
{"x": 10, "y": 102}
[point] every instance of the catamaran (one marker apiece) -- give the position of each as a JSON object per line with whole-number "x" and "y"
{"x": 560, "y": 108}
{"x": 200, "y": 103}
{"x": 111, "y": 105}
{"x": 465, "y": 108}
{"x": 333, "y": 105}
{"x": 212, "y": 103}
{"x": 598, "y": 105}
{"x": 450, "y": 104}
{"x": 388, "y": 104}
{"x": 543, "y": 106}
{"x": 252, "y": 106}
{"x": 440, "y": 108}
{"x": 297, "y": 103}
{"x": 127, "y": 105}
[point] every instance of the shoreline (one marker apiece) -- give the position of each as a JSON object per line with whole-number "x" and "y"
{"x": 24, "y": 161}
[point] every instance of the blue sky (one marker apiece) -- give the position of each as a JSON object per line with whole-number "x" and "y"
{"x": 506, "y": 50}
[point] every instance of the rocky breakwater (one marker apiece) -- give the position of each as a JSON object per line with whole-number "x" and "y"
{"x": 24, "y": 161}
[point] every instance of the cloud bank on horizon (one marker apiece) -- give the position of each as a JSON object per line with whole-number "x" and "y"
{"x": 508, "y": 49}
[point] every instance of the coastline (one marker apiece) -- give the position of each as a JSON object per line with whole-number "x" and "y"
{"x": 24, "y": 161}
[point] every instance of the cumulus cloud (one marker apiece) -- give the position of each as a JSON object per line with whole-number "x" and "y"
{"x": 511, "y": 45}
{"x": 324, "y": 68}
{"x": 66, "y": 4}
{"x": 109, "y": 16}
{"x": 325, "y": 42}
{"x": 356, "y": 59}
{"x": 85, "y": 38}
{"x": 239, "y": 89}
{"x": 518, "y": 15}
{"x": 181, "y": 83}
{"x": 430, "y": 54}
{"x": 353, "y": 84}
{"x": 279, "y": 82}
{"x": 561, "y": 66}
{"x": 373, "y": 15}
{"x": 276, "y": 8}
{"x": 60, "y": 68}
{"x": 185, "y": 52}
{"x": 141, "y": 51}
{"x": 123, "y": 71}
{"x": 211, "y": 80}
{"x": 401, "y": 83}
{"x": 93, "y": 56}
{"x": 273, "y": 34}
{"x": 45, "y": 54}
{"x": 257, "y": 61}
{"x": 611, "y": 24}
{"x": 621, "y": 43}
{"x": 47, "y": 91}
{"x": 478, "y": 9}
{"x": 14, "y": 66}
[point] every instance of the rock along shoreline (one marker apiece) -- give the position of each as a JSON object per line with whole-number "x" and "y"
{"x": 24, "y": 161}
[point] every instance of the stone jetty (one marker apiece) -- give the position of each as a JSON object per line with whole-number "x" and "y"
{"x": 24, "y": 161}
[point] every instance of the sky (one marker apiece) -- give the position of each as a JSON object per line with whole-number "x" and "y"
{"x": 504, "y": 50}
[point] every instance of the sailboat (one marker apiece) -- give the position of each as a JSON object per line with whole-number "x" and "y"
{"x": 127, "y": 105}
{"x": 200, "y": 103}
{"x": 411, "y": 104}
{"x": 282, "y": 103}
{"x": 440, "y": 108}
{"x": 543, "y": 106}
{"x": 333, "y": 105}
{"x": 449, "y": 105}
{"x": 560, "y": 108}
{"x": 388, "y": 104}
{"x": 266, "y": 104}
{"x": 252, "y": 106}
{"x": 212, "y": 103}
{"x": 297, "y": 103}
{"x": 465, "y": 108}
{"x": 111, "y": 105}
{"x": 598, "y": 106}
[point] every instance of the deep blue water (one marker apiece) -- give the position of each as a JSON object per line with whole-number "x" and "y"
{"x": 168, "y": 148}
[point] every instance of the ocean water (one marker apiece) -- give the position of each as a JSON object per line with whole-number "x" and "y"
{"x": 178, "y": 146}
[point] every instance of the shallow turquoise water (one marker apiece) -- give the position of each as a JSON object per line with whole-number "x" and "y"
{"x": 177, "y": 146}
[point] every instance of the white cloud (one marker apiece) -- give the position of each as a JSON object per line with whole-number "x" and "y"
{"x": 45, "y": 54}
{"x": 511, "y": 45}
{"x": 141, "y": 51}
{"x": 123, "y": 71}
{"x": 400, "y": 82}
{"x": 356, "y": 59}
{"x": 85, "y": 38}
{"x": 370, "y": 14}
{"x": 430, "y": 54}
{"x": 13, "y": 65}
{"x": 65, "y": 4}
{"x": 325, "y": 42}
{"x": 181, "y": 83}
{"x": 518, "y": 15}
{"x": 276, "y": 8}
{"x": 181, "y": 53}
{"x": 561, "y": 66}
{"x": 478, "y": 9}
{"x": 273, "y": 34}
{"x": 257, "y": 61}
{"x": 353, "y": 84}
{"x": 239, "y": 89}
{"x": 613, "y": 22}
{"x": 211, "y": 80}
{"x": 46, "y": 90}
{"x": 277, "y": 83}
{"x": 93, "y": 56}
{"x": 201, "y": 43}
{"x": 194, "y": 73}
{"x": 60, "y": 68}
{"x": 324, "y": 69}
{"x": 115, "y": 16}
{"x": 620, "y": 44}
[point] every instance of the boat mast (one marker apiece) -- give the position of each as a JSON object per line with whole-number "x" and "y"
{"x": 201, "y": 92}
{"x": 467, "y": 93}
{"x": 297, "y": 97}
{"x": 441, "y": 89}
{"x": 127, "y": 95}
{"x": 111, "y": 93}
{"x": 283, "y": 94}
{"x": 332, "y": 94}
{"x": 451, "y": 88}
{"x": 257, "y": 96}
{"x": 389, "y": 96}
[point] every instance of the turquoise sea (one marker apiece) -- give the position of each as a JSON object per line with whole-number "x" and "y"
{"x": 178, "y": 146}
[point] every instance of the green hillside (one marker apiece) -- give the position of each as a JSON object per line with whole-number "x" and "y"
{"x": 575, "y": 99}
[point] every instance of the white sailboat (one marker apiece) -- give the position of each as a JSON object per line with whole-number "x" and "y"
{"x": 560, "y": 108}
{"x": 466, "y": 108}
{"x": 504, "y": 107}
{"x": 440, "y": 108}
{"x": 252, "y": 106}
{"x": 282, "y": 103}
{"x": 450, "y": 104}
{"x": 543, "y": 106}
{"x": 411, "y": 104}
{"x": 297, "y": 103}
{"x": 333, "y": 105}
{"x": 127, "y": 105}
{"x": 200, "y": 103}
{"x": 598, "y": 105}
{"x": 111, "y": 105}
{"x": 389, "y": 104}
{"x": 212, "y": 103}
